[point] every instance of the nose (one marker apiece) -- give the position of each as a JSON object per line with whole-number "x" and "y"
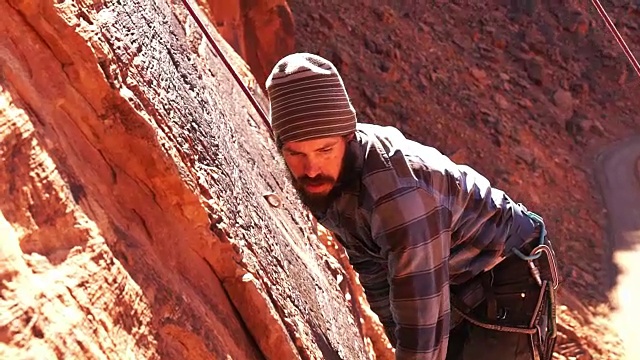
{"x": 311, "y": 169}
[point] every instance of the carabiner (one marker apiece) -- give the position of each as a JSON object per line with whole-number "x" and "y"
{"x": 551, "y": 258}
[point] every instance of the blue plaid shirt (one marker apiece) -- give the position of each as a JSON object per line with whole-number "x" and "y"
{"x": 412, "y": 223}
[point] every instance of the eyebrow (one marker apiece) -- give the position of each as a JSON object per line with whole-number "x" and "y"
{"x": 328, "y": 145}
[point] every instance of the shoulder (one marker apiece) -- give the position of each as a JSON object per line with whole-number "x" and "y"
{"x": 393, "y": 163}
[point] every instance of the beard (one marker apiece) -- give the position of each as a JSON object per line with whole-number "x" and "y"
{"x": 318, "y": 203}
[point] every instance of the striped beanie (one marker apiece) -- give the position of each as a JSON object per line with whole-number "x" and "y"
{"x": 308, "y": 99}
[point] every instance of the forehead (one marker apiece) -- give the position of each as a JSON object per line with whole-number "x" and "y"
{"x": 311, "y": 145}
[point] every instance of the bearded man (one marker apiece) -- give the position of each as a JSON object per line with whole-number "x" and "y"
{"x": 425, "y": 235}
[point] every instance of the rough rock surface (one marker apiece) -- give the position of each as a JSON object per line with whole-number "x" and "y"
{"x": 132, "y": 217}
{"x": 372, "y": 329}
{"x": 260, "y": 31}
{"x": 527, "y": 92}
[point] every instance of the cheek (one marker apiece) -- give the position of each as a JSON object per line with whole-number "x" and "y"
{"x": 332, "y": 166}
{"x": 295, "y": 165}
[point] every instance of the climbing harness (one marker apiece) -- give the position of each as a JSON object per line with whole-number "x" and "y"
{"x": 536, "y": 319}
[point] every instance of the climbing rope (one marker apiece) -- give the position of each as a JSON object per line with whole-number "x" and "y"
{"x": 616, "y": 34}
{"x": 263, "y": 115}
{"x": 226, "y": 63}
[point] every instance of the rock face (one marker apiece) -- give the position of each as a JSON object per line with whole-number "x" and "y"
{"x": 260, "y": 31}
{"x": 132, "y": 217}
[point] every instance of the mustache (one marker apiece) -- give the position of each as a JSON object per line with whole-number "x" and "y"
{"x": 316, "y": 180}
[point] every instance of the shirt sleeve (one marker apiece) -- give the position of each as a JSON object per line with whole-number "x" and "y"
{"x": 413, "y": 231}
{"x": 372, "y": 277}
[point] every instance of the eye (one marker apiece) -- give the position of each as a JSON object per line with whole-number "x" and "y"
{"x": 294, "y": 153}
{"x": 326, "y": 150}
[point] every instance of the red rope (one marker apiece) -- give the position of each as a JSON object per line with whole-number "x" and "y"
{"x": 617, "y": 35}
{"x": 233, "y": 72}
{"x": 262, "y": 114}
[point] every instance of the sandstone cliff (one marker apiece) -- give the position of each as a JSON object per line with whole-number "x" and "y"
{"x": 261, "y": 32}
{"x": 132, "y": 217}
{"x": 133, "y": 169}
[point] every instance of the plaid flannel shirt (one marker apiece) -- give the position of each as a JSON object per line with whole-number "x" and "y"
{"x": 413, "y": 223}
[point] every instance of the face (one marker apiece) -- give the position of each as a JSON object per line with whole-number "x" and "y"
{"x": 315, "y": 165}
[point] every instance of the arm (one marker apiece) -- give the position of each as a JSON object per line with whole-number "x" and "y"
{"x": 413, "y": 231}
{"x": 372, "y": 276}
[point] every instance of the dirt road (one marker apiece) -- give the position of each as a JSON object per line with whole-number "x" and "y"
{"x": 619, "y": 178}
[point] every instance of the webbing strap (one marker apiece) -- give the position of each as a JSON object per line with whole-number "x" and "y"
{"x": 547, "y": 289}
{"x": 543, "y": 233}
{"x": 465, "y": 311}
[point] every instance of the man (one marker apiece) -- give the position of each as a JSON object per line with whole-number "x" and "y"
{"x": 422, "y": 232}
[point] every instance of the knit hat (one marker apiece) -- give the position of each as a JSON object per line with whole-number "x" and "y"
{"x": 308, "y": 99}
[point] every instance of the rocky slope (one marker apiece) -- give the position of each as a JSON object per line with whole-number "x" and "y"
{"x": 524, "y": 91}
{"x": 132, "y": 216}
